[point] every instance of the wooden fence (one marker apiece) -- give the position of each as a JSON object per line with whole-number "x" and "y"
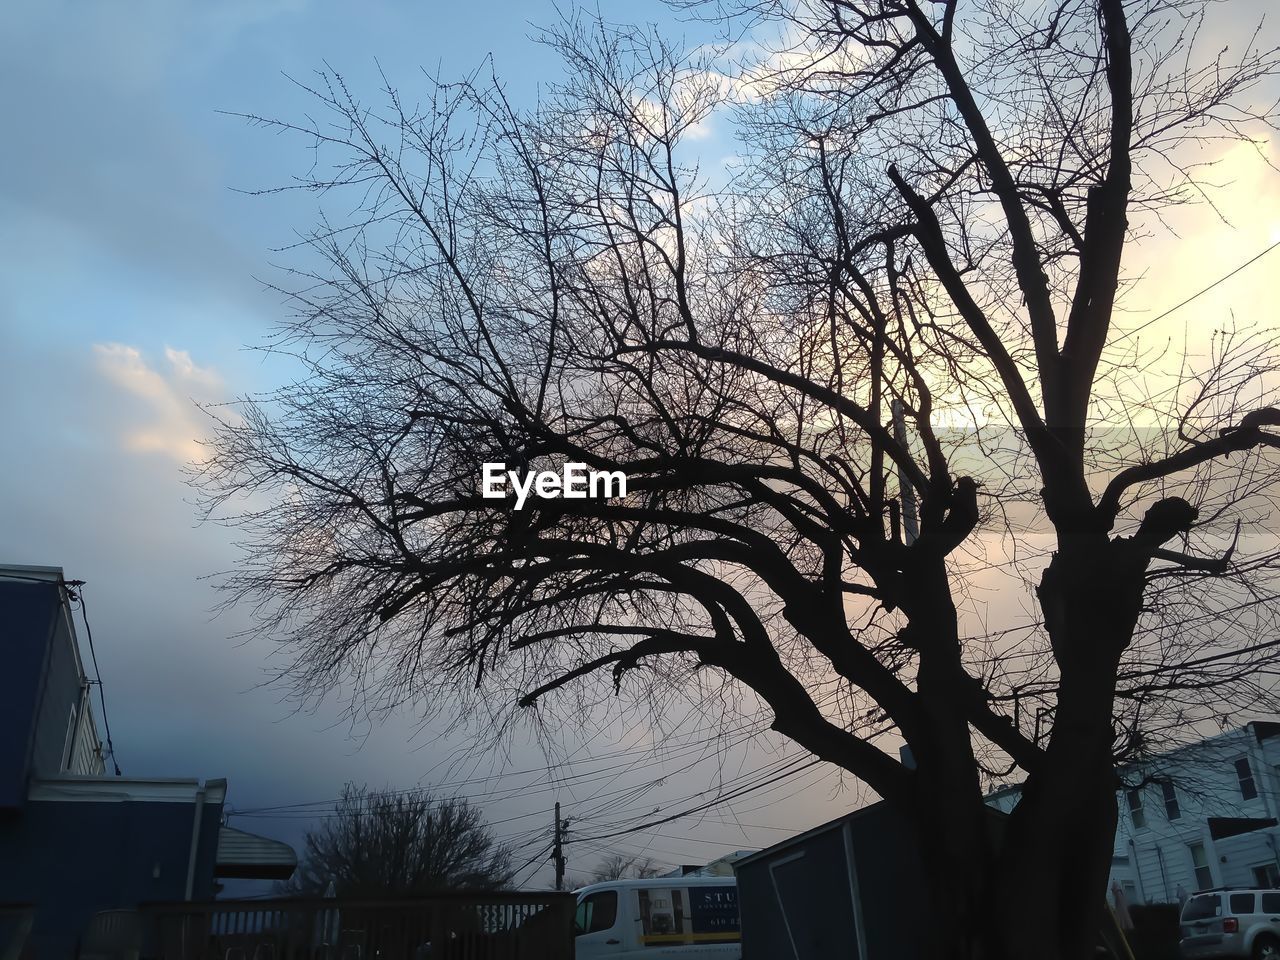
{"x": 492, "y": 926}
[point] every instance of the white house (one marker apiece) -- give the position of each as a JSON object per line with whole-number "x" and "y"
{"x": 1204, "y": 815}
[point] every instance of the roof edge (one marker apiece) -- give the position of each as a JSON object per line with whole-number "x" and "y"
{"x": 82, "y": 789}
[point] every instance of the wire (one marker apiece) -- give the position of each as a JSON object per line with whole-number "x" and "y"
{"x": 715, "y": 801}
{"x": 530, "y": 862}
{"x": 300, "y": 809}
{"x": 1199, "y": 293}
{"x": 102, "y": 697}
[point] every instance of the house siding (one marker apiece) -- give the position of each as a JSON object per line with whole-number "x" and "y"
{"x": 80, "y": 857}
{"x": 63, "y": 687}
{"x": 28, "y": 615}
{"x": 1207, "y": 786}
{"x": 1152, "y": 861}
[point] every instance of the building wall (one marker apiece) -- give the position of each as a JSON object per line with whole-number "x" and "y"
{"x": 71, "y": 841}
{"x": 63, "y": 689}
{"x": 44, "y": 703}
{"x": 28, "y": 612}
{"x": 1152, "y": 859}
{"x": 78, "y": 857}
{"x": 1205, "y": 783}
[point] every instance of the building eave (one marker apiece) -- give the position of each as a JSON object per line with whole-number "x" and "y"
{"x": 81, "y": 789}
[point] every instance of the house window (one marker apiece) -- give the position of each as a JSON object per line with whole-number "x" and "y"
{"x": 1244, "y": 773}
{"x": 1171, "y": 809}
{"x": 1200, "y": 864}
{"x": 1267, "y": 876}
{"x": 1135, "y": 808}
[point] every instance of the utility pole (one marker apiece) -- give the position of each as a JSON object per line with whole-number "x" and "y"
{"x": 910, "y": 525}
{"x": 558, "y": 849}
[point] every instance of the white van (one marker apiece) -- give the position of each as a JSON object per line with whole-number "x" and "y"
{"x": 690, "y": 918}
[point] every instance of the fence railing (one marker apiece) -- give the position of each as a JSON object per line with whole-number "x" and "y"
{"x": 492, "y": 926}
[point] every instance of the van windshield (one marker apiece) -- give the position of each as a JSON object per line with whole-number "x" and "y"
{"x": 597, "y": 911}
{"x": 1202, "y": 907}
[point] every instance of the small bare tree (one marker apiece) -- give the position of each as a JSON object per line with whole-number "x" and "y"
{"x": 620, "y": 866}
{"x": 385, "y": 842}
{"x": 882, "y": 363}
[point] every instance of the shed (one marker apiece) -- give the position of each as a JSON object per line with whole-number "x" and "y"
{"x": 850, "y": 888}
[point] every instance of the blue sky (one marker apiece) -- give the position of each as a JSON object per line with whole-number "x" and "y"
{"x": 130, "y": 286}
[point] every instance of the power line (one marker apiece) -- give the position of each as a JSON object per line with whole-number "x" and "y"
{"x": 703, "y": 806}
{"x": 531, "y": 861}
{"x": 102, "y": 697}
{"x": 299, "y": 810}
{"x": 1199, "y": 293}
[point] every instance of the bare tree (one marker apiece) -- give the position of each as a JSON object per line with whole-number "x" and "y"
{"x": 387, "y": 842}
{"x": 620, "y": 866}
{"x": 930, "y": 216}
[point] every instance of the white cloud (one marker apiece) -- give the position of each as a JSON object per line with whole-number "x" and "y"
{"x": 168, "y": 420}
{"x": 185, "y": 368}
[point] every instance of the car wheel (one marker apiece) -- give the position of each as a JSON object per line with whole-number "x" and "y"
{"x": 1266, "y": 948}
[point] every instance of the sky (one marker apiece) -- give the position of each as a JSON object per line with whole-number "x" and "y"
{"x": 132, "y": 270}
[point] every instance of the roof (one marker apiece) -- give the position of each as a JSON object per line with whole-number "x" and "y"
{"x": 827, "y": 827}
{"x": 1000, "y": 792}
{"x": 83, "y": 789}
{"x": 872, "y": 809}
{"x": 247, "y": 856}
{"x": 1220, "y": 828}
{"x": 57, "y": 597}
{"x": 651, "y": 883}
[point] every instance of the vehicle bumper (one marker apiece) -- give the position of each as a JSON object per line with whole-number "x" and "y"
{"x": 1213, "y": 945}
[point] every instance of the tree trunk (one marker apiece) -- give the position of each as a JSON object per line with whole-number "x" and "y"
{"x": 1034, "y": 888}
{"x": 1060, "y": 838}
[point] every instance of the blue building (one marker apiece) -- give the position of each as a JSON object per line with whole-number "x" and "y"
{"x": 74, "y": 840}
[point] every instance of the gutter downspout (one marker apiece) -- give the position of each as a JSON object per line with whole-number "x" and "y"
{"x": 1137, "y": 870}
{"x": 195, "y": 843}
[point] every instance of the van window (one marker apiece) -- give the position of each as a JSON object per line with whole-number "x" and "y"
{"x": 1202, "y": 907}
{"x": 714, "y": 909}
{"x": 1271, "y": 903}
{"x": 1242, "y": 903}
{"x": 597, "y": 911}
{"x": 661, "y": 916}
{"x": 689, "y": 915}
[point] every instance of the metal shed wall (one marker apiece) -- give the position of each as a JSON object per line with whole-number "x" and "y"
{"x": 801, "y": 901}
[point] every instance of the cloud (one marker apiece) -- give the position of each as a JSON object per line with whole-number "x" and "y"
{"x": 168, "y": 399}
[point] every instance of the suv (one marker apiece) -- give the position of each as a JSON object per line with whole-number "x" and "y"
{"x": 1232, "y": 923}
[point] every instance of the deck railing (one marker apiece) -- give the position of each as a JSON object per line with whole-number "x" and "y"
{"x": 493, "y": 926}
